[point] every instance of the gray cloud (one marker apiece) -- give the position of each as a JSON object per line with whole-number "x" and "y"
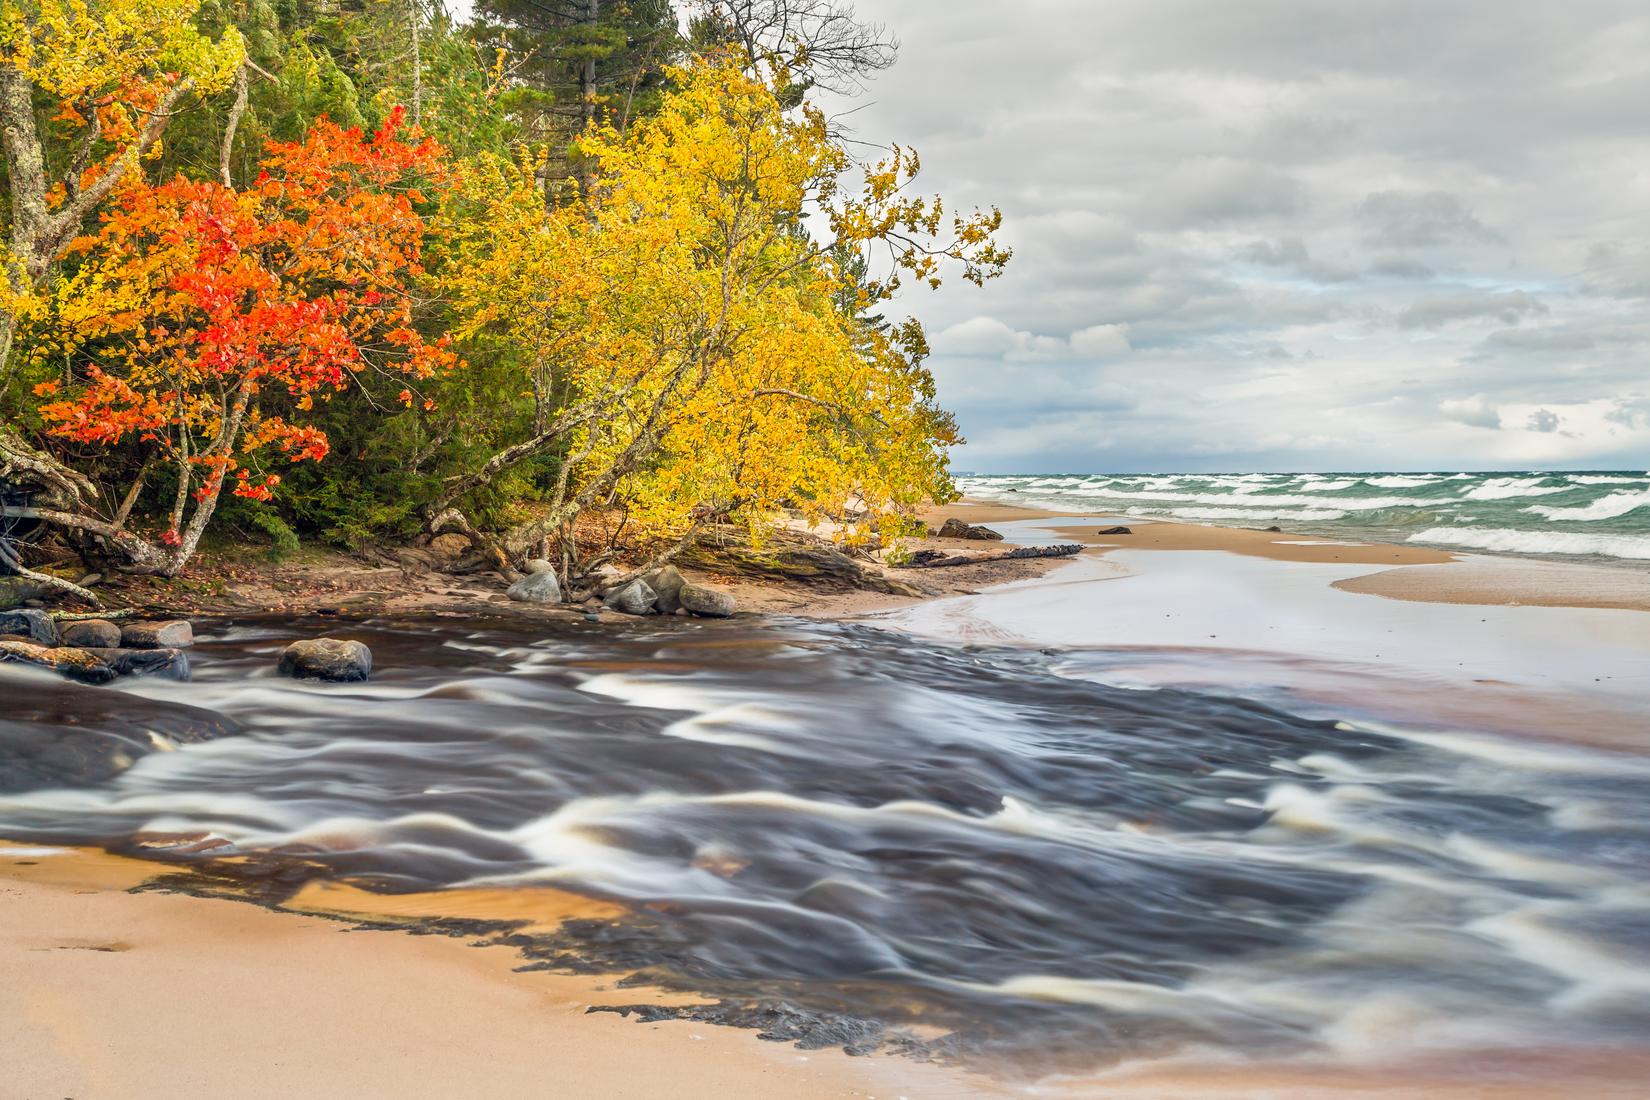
{"x": 1475, "y": 411}
{"x": 1506, "y": 306}
{"x": 1543, "y": 420}
{"x": 1394, "y": 219}
{"x": 1401, "y": 267}
{"x": 1286, "y": 233}
{"x": 1290, "y": 253}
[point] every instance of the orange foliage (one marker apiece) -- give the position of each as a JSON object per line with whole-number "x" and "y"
{"x": 207, "y": 320}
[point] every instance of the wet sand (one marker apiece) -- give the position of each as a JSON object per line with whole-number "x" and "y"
{"x": 106, "y": 993}
{"x": 1415, "y": 573}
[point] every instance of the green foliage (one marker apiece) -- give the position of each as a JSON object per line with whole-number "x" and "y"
{"x": 283, "y": 539}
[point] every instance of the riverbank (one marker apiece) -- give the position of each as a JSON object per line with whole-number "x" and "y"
{"x": 415, "y": 582}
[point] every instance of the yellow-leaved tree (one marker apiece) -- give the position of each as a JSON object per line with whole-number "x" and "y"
{"x": 694, "y": 329}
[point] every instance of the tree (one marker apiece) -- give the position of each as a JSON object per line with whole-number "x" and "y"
{"x": 114, "y": 74}
{"x": 688, "y": 338}
{"x": 572, "y": 61}
{"x": 204, "y": 324}
{"x": 814, "y": 43}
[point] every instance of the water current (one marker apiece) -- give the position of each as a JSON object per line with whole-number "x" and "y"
{"x": 890, "y": 841}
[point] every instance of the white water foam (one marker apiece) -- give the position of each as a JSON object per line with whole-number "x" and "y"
{"x": 1503, "y": 488}
{"x": 1616, "y": 504}
{"x": 1538, "y": 542}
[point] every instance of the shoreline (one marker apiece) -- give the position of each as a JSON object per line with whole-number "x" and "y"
{"x": 1402, "y": 571}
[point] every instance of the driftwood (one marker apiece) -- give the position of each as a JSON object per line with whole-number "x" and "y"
{"x": 786, "y": 556}
{"x": 83, "y": 616}
{"x": 936, "y": 559}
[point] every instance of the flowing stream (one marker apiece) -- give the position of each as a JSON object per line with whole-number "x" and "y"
{"x": 875, "y": 840}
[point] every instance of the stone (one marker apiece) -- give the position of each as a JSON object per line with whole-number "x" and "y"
{"x": 667, "y": 585}
{"x": 172, "y": 634}
{"x": 76, "y": 664}
{"x": 701, "y": 599}
{"x": 635, "y": 598}
{"x": 958, "y": 529}
{"x": 537, "y": 565}
{"x": 1117, "y": 531}
{"x": 34, "y": 625}
{"x": 536, "y": 587}
{"x": 91, "y": 634}
{"x": 14, "y": 590}
{"x": 340, "y": 660}
{"x": 168, "y": 664}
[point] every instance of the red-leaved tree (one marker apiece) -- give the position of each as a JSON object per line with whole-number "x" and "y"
{"x": 205, "y": 322}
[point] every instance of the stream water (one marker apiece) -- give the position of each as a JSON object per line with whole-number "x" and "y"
{"x": 857, "y": 833}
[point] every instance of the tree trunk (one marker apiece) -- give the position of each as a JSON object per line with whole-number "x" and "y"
{"x": 231, "y": 124}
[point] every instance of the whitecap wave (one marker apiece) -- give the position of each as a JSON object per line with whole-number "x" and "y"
{"x": 1399, "y": 481}
{"x": 1539, "y": 542}
{"x": 1502, "y": 488}
{"x": 1252, "y": 515}
{"x": 1609, "y": 507}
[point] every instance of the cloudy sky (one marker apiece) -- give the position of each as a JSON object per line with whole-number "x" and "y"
{"x": 1288, "y": 234}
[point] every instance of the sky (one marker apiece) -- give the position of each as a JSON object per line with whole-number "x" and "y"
{"x": 1286, "y": 234}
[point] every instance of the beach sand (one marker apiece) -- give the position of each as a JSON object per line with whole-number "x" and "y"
{"x": 133, "y": 996}
{"x": 110, "y": 995}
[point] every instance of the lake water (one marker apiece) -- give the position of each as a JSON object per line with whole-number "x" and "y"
{"x": 1601, "y": 515}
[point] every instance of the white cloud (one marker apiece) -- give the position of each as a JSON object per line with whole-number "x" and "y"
{"x": 1100, "y": 342}
{"x": 988, "y": 337}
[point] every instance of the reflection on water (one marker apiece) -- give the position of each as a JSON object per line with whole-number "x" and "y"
{"x": 839, "y": 823}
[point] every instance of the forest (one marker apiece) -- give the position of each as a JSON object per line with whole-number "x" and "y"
{"x": 576, "y": 279}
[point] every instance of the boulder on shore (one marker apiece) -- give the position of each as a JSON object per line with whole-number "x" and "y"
{"x": 172, "y": 634}
{"x": 91, "y": 634}
{"x": 635, "y": 598}
{"x": 340, "y": 660}
{"x": 14, "y": 590}
{"x": 538, "y": 586}
{"x": 667, "y": 586}
{"x": 34, "y": 625}
{"x": 959, "y": 529}
{"x": 76, "y": 664}
{"x": 168, "y": 664}
{"x": 701, "y": 599}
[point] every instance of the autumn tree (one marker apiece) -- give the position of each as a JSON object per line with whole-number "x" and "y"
{"x": 204, "y": 323}
{"x": 698, "y": 355}
{"x": 87, "y": 89}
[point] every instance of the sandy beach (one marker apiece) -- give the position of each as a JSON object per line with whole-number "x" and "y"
{"x": 288, "y": 1002}
{"x": 114, "y": 994}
